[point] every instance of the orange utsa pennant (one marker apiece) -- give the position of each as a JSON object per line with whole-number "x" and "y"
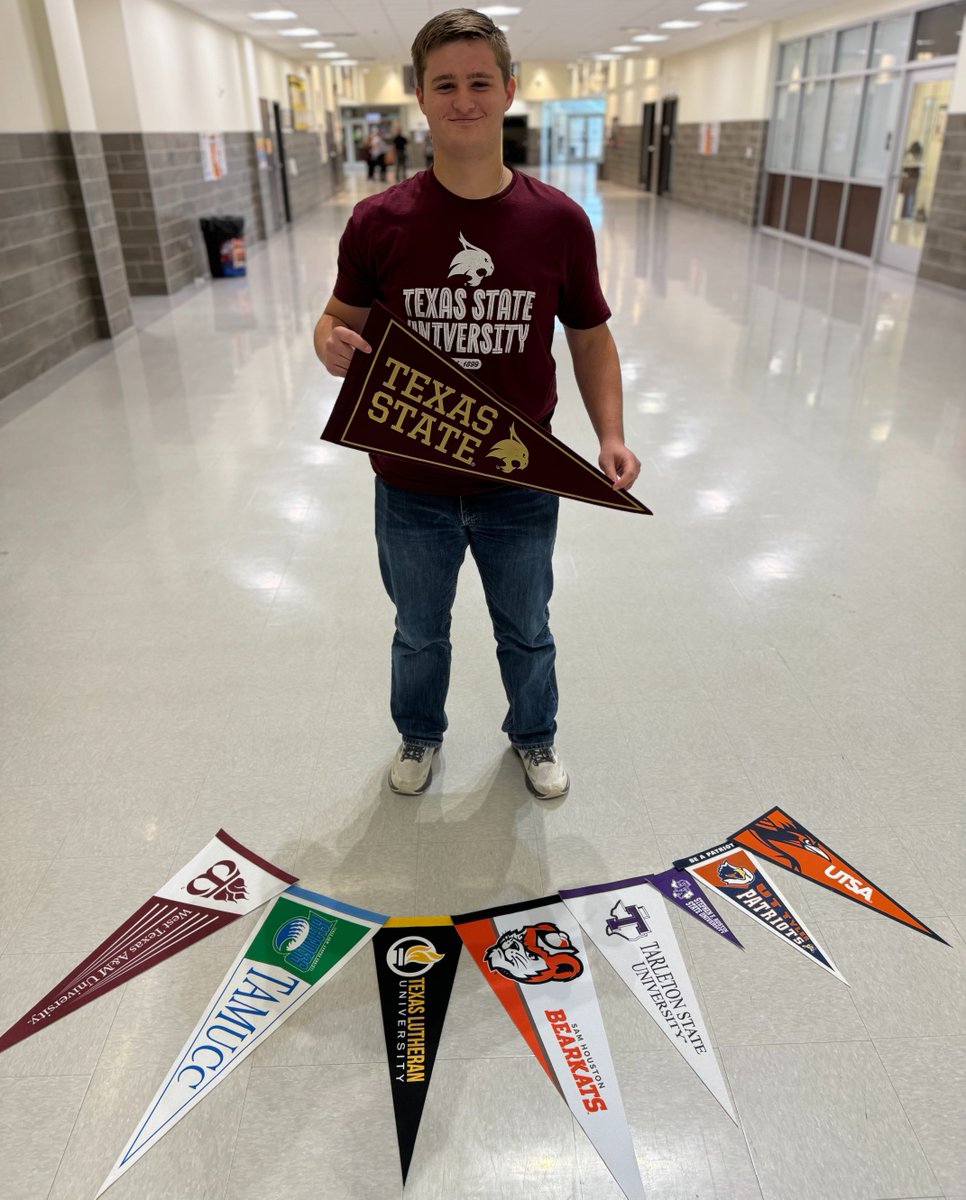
{"x": 779, "y": 838}
{"x": 409, "y": 400}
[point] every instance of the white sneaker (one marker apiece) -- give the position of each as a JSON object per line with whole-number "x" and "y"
{"x": 546, "y": 776}
{"x": 412, "y": 769}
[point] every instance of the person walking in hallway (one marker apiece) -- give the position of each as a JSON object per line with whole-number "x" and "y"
{"x": 521, "y": 238}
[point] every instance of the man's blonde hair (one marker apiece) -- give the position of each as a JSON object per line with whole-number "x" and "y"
{"x": 457, "y": 25}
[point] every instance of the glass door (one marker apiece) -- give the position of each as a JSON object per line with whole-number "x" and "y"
{"x": 916, "y": 164}
{"x": 576, "y": 139}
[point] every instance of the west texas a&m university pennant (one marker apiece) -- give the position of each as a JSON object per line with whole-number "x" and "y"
{"x": 407, "y": 399}
{"x": 779, "y": 838}
{"x": 222, "y": 882}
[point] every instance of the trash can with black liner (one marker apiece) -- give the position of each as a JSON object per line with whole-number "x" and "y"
{"x": 225, "y": 245}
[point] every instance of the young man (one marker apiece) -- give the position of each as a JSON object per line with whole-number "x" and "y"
{"x": 471, "y": 242}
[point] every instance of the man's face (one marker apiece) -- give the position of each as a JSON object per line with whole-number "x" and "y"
{"x": 464, "y": 99}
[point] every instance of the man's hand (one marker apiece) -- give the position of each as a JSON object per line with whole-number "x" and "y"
{"x": 337, "y": 336}
{"x": 339, "y": 347}
{"x": 620, "y": 465}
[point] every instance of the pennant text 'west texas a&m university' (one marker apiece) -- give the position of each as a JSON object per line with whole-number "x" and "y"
{"x": 409, "y": 400}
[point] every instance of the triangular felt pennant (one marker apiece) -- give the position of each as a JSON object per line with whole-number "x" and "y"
{"x": 681, "y": 889}
{"x": 629, "y": 923}
{"x": 742, "y": 881}
{"x": 533, "y": 956}
{"x": 223, "y": 882}
{"x": 302, "y": 941}
{"x": 779, "y": 838}
{"x": 416, "y": 960}
{"x": 408, "y": 399}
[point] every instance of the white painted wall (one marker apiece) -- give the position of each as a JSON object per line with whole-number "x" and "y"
{"x": 108, "y": 62}
{"x": 272, "y": 71}
{"x": 71, "y": 68}
{"x": 383, "y": 83}
{"x": 957, "y": 101}
{"x": 187, "y": 72}
{"x": 30, "y": 96}
{"x": 544, "y": 81}
{"x": 835, "y": 16}
{"x": 727, "y": 81}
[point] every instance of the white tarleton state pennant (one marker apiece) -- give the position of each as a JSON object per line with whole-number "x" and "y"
{"x": 741, "y": 880}
{"x": 303, "y": 940}
{"x": 630, "y": 925}
{"x": 533, "y": 957}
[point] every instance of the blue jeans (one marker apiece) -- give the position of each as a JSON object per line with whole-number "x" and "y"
{"x": 422, "y": 539}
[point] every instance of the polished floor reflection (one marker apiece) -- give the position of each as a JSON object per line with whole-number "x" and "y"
{"x": 195, "y": 635}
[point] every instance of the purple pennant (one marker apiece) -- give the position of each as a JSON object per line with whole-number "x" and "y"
{"x": 681, "y": 889}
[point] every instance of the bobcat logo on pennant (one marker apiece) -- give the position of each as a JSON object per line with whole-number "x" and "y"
{"x": 515, "y": 456}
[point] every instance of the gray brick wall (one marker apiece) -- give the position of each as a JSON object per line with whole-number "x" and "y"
{"x": 944, "y": 252}
{"x": 56, "y": 257}
{"x": 160, "y": 194}
{"x": 622, "y": 159}
{"x": 727, "y": 183}
{"x": 113, "y": 296}
{"x": 315, "y": 180}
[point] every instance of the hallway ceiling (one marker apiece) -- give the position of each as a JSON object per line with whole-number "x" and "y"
{"x": 548, "y": 30}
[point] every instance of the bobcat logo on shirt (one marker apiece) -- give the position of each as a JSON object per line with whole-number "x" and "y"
{"x": 472, "y": 262}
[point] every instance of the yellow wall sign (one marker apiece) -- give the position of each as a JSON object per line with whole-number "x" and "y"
{"x": 298, "y": 102}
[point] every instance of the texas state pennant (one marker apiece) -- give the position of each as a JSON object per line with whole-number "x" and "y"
{"x": 678, "y": 887}
{"x": 408, "y": 399}
{"x": 533, "y": 957}
{"x": 629, "y": 923}
{"x": 779, "y": 838}
{"x": 225, "y": 881}
{"x": 416, "y": 960}
{"x": 301, "y": 943}
{"x": 742, "y": 881}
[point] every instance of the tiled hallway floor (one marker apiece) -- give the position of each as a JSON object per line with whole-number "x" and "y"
{"x": 195, "y": 635}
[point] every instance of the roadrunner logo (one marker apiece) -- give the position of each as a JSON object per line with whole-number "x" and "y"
{"x": 472, "y": 262}
{"x": 512, "y": 451}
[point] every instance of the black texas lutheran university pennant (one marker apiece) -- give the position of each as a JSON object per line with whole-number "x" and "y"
{"x": 408, "y": 399}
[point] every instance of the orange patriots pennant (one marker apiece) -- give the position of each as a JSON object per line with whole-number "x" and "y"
{"x": 409, "y": 400}
{"x": 782, "y": 840}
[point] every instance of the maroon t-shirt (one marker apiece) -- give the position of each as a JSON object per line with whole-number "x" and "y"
{"x": 483, "y": 281}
